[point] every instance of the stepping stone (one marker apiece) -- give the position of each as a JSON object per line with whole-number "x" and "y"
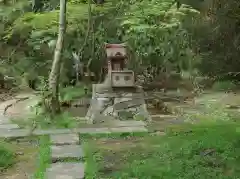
{"x": 51, "y": 131}
{"x": 129, "y": 123}
{"x": 14, "y": 133}
{"x": 69, "y": 170}
{"x": 102, "y": 130}
{"x": 128, "y": 129}
{"x": 60, "y": 153}
{"x": 64, "y": 139}
{"x": 8, "y": 126}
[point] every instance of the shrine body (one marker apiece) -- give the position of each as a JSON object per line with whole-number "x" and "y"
{"x": 118, "y": 92}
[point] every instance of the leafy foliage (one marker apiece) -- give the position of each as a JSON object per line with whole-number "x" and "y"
{"x": 161, "y": 35}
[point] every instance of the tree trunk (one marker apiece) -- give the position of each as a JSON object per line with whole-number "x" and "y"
{"x": 56, "y": 65}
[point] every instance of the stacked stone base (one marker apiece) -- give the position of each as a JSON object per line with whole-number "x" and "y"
{"x": 118, "y": 104}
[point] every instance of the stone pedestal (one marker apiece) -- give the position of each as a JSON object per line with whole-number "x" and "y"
{"x": 119, "y": 104}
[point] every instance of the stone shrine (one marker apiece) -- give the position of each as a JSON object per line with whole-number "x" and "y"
{"x": 117, "y": 96}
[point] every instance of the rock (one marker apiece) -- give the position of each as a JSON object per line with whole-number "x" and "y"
{"x": 129, "y": 123}
{"x": 14, "y": 133}
{"x": 60, "y": 153}
{"x": 8, "y": 126}
{"x": 64, "y": 139}
{"x": 102, "y": 130}
{"x": 69, "y": 170}
{"x": 128, "y": 104}
{"x": 51, "y": 131}
{"x": 128, "y": 129}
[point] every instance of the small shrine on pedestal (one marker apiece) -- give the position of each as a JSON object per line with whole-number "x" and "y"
{"x": 117, "y": 96}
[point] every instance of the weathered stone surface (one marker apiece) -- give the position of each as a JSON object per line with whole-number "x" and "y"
{"x": 4, "y": 119}
{"x": 69, "y": 170}
{"x": 14, "y": 133}
{"x": 128, "y": 104}
{"x": 64, "y": 139}
{"x": 8, "y": 126}
{"x": 128, "y": 129}
{"x": 51, "y": 131}
{"x": 129, "y": 123}
{"x": 102, "y": 130}
{"x": 65, "y": 152}
{"x": 4, "y": 104}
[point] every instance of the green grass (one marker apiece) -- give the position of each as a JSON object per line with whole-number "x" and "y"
{"x": 224, "y": 85}
{"x": 44, "y": 157}
{"x": 7, "y": 157}
{"x": 201, "y": 152}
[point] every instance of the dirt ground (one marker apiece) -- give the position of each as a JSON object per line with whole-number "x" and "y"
{"x": 26, "y": 160}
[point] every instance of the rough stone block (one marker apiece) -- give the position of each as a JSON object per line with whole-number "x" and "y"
{"x": 69, "y": 170}
{"x": 14, "y": 133}
{"x": 128, "y": 123}
{"x": 128, "y": 129}
{"x": 60, "y": 153}
{"x": 8, "y": 126}
{"x": 102, "y": 130}
{"x": 64, "y": 139}
{"x": 51, "y": 131}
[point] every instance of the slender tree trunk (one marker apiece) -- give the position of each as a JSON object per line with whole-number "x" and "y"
{"x": 56, "y": 65}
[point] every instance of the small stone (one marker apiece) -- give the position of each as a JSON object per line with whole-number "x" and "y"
{"x": 66, "y": 152}
{"x": 64, "y": 139}
{"x": 69, "y": 170}
{"x": 19, "y": 153}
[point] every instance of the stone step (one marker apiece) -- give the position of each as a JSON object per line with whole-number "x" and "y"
{"x": 69, "y": 170}
{"x": 128, "y": 129}
{"x": 128, "y": 123}
{"x": 59, "y": 153}
{"x": 12, "y": 133}
{"x": 64, "y": 139}
{"x": 104, "y": 130}
{"x": 8, "y": 126}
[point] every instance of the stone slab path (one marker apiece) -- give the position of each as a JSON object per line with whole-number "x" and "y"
{"x": 67, "y": 148}
{"x": 67, "y": 155}
{"x": 64, "y": 139}
{"x": 70, "y": 170}
{"x": 13, "y": 131}
{"x": 60, "y": 153}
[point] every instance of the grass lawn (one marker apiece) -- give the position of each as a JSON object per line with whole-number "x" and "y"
{"x": 199, "y": 152}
